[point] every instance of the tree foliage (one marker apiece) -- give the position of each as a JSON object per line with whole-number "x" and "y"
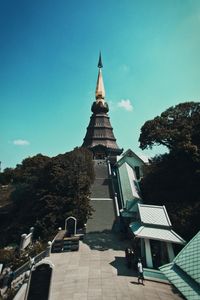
{"x": 172, "y": 179}
{"x": 177, "y": 128}
{"x": 6, "y": 176}
{"x": 48, "y": 190}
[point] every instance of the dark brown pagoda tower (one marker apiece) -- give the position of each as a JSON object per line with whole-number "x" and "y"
{"x": 99, "y": 137}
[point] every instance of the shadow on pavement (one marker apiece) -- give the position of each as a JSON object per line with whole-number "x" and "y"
{"x": 105, "y": 240}
{"x": 134, "y": 282}
{"x": 122, "y": 270}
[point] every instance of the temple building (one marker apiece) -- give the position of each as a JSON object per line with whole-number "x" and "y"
{"x": 99, "y": 137}
{"x": 129, "y": 170}
{"x": 100, "y": 140}
{"x": 115, "y": 193}
{"x": 154, "y": 230}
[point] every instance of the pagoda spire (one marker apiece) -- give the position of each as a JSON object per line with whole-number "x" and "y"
{"x": 99, "y": 137}
{"x": 100, "y": 65}
{"x": 100, "y": 91}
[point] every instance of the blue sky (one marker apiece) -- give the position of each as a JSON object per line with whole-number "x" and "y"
{"x": 48, "y": 69}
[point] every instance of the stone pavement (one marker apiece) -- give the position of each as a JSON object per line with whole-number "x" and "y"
{"x": 98, "y": 271}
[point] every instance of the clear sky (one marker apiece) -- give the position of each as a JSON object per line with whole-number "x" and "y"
{"x": 48, "y": 69}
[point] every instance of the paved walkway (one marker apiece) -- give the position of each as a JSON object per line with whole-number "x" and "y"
{"x": 98, "y": 271}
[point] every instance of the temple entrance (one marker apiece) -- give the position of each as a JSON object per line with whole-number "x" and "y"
{"x": 159, "y": 253}
{"x": 99, "y": 156}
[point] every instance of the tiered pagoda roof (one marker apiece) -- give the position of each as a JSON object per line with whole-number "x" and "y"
{"x": 99, "y": 137}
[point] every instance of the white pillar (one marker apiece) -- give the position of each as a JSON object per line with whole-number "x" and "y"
{"x": 116, "y": 205}
{"x": 142, "y": 248}
{"x": 22, "y": 242}
{"x": 48, "y": 252}
{"x": 109, "y": 167}
{"x": 170, "y": 251}
{"x": 148, "y": 253}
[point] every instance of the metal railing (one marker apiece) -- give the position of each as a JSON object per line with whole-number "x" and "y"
{"x": 20, "y": 275}
{"x": 25, "y": 267}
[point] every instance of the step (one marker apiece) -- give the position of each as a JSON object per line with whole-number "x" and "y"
{"x": 103, "y": 217}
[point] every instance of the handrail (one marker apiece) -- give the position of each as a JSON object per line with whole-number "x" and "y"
{"x": 26, "y": 266}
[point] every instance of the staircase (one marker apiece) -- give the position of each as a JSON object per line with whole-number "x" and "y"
{"x": 104, "y": 214}
{"x": 103, "y": 217}
{"x": 102, "y": 184}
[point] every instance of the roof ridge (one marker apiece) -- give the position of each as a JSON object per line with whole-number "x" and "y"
{"x": 186, "y": 246}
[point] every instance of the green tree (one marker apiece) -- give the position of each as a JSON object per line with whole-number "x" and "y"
{"x": 6, "y": 176}
{"x": 172, "y": 179}
{"x": 177, "y": 128}
{"x": 48, "y": 190}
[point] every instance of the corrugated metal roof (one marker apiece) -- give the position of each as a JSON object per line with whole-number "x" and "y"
{"x": 129, "y": 185}
{"x": 184, "y": 271}
{"x": 154, "y": 215}
{"x": 161, "y": 234}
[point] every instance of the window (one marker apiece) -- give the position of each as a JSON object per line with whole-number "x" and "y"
{"x": 137, "y": 172}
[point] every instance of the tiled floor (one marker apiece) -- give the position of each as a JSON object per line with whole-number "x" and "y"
{"x": 98, "y": 271}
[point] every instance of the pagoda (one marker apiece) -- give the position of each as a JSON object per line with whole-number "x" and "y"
{"x": 99, "y": 137}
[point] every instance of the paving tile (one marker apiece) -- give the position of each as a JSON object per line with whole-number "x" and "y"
{"x": 81, "y": 289}
{"x": 110, "y": 298}
{"x": 101, "y": 275}
{"x": 94, "y": 297}
{"x": 80, "y": 296}
{"x": 94, "y": 292}
{"x": 55, "y": 296}
{"x": 84, "y": 262}
{"x": 108, "y": 292}
{"x": 95, "y": 275}
{"x": 107, "y": 285}
{"x": 122, "y": 297}
{"x": 106, "y": 275}
{"x": 68, "y": 289}
{"x": 65, "y": 296}
{"x": 94, "y": 281}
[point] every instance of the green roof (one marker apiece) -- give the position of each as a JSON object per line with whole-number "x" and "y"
{"x": 154, "y": 215}
{"x": 155, "y": 233}
{"x": 184, "y": 271}
{"x": 129, "y": 185}
{"x": 154, "y": 224}
{"x": 130, "y": 205}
